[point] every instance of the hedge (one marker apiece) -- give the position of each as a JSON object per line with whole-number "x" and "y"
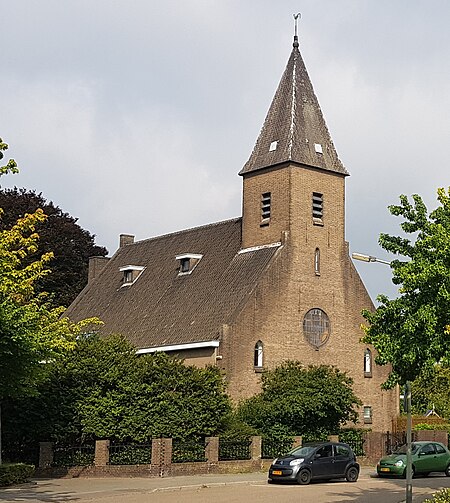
{"x": 15, "y": 473}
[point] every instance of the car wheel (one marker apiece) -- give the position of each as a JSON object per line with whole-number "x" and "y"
{"x": 304, "y": 477}
{"x": 413, "y": 473}
{"x": 352, "y": 474}
{"x": 447, "y": 471}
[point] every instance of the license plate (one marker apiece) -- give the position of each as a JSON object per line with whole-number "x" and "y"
{"x": 385, "y": 469}
{"x": 277, "y": 472}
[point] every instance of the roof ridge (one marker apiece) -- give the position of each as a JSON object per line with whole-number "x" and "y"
{"x": 183, "y": 231}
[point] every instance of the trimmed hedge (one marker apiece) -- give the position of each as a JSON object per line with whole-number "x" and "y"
{"x": 440, "y": 497}
{"x": 15, "y": 473}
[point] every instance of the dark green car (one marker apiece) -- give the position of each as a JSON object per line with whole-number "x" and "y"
{"x": 427, "y": 457}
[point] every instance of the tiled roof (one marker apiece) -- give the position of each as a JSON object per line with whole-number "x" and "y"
{"x": 162, "y": 308}
{"x": 294, "y": 129}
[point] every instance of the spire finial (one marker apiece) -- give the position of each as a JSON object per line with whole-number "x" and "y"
{"x": 296, "y": 16}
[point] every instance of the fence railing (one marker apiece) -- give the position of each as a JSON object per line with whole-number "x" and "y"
{"x": 234, "y": 449}
{"x": 130, "y": 454}
{"x": 272, "y": 448}
{"x": 188, "y": 452}
{"x": 162, "y": 453}
{"x": 396, "y": 439}
{"x": 66, "y": 456}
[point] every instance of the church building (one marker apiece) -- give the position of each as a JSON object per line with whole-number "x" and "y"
{"x": 249, "y": 293}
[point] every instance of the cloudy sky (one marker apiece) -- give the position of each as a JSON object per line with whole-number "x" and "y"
{"x": 136, "y": 115}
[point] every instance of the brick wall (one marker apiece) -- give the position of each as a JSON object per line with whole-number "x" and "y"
{"x": 162, "y": 466}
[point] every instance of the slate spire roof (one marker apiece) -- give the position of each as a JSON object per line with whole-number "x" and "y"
{"x": 294, "y": 129}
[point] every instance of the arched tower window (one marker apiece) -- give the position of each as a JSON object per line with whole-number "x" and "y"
{"x": 317, "y": 262}
{"x": 258, "y": 355}
{"x": 367, "y": 363}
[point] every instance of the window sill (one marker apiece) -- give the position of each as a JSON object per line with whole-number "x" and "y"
{"x": 318, "y": 221}
{"x": 367, "y": 374}
{"x": 367, "y": 421}
{"x": 259, "y": 370}
{"x": 265, "y": 222}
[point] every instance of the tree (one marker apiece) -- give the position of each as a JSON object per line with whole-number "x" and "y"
{"x": 102, "y": 389}
{"x": 412, "y": 332}
{"x": 431, "y": 392}
{"x": 308, "y": 401}
{"x": 59, "y": 233}
{"x": 31, "y": 331}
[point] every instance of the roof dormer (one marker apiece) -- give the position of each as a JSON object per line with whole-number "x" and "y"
{"x": 187, "y": 262}
{"x": 130, "y": 274}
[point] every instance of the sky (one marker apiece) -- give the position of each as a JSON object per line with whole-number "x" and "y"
{"x": 135, "y": 116}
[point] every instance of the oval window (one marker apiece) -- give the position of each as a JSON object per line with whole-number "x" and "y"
{"x": 316, "y": 327}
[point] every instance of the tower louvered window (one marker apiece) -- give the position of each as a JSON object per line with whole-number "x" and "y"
{"x": 266, "y": 199}
{"x": 317, "y": 206}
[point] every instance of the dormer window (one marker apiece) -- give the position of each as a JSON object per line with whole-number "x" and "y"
{"x": 188, "y": 262}
{"x": 130, "y": 274}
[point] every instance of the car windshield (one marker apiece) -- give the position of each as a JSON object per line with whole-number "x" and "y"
{"x": 402, "y": 449}
{"x": 302, "y": 451}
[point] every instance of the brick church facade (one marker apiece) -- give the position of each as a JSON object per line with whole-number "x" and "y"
{"x": 249, "y": 293}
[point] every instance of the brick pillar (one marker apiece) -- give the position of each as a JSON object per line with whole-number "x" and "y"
{"x": 333, "y": 438}
{"x": 212, "y": 449}
{"x": 101, "y": 453}
{"x": 297, "y": 442}
{"x": 162, "y": 454}
{"x": 45, "y": 454}
{"x": 255, "y": 448}
{"x": 374, "y": 445}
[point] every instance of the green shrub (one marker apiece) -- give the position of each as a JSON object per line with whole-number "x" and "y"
{"x": 276, "y": 440}
{"x": 440, "y": 497}
{"x": 426, "y": 426}
{"x": 15, "y": 473}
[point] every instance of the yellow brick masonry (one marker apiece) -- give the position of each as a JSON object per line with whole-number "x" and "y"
{"x": 290, "y": 288}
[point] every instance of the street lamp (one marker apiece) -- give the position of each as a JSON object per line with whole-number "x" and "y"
{"x": 370, "y": 258}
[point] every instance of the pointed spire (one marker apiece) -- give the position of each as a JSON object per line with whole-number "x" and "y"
{"x": 294, "y": 129}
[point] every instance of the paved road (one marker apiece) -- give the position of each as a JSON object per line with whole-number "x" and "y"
{"x": 238, "y": 488}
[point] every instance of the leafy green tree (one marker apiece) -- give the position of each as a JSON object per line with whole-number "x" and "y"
{"x": 302, "y": 400}
{"x": 412, "y": 332}
{"x": 31, "y": 331}
{"x": 101, "y": 389}
{"x": 431, "y": 392}
{"x": 60, "y": 234}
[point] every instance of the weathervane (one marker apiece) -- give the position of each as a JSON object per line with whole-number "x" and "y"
{"x": 296, "y": 16}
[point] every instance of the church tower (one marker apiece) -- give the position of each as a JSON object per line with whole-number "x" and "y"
{"x": 293, "y": 180}
{"x": 308, "y": 306}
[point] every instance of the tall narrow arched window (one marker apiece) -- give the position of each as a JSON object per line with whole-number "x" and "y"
{"x": 258, "y": 355}
{"x": 317, "y": 262}
{"x": 367, "y": 363}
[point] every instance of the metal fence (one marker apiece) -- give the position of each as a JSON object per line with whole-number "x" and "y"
{"x": 188, "y": 451}
{"x": 130, "y": 454}
{"x": 271, "y": 448}
{"x": 80, "y": 455}
{"x": 27, "y": 453}
{"x": 394, "y": 440}
{"x": 234, "y": 449}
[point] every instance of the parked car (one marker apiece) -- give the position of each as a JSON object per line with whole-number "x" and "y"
{"x": 427, "y": 457}
{"x": 315, "y": 460}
